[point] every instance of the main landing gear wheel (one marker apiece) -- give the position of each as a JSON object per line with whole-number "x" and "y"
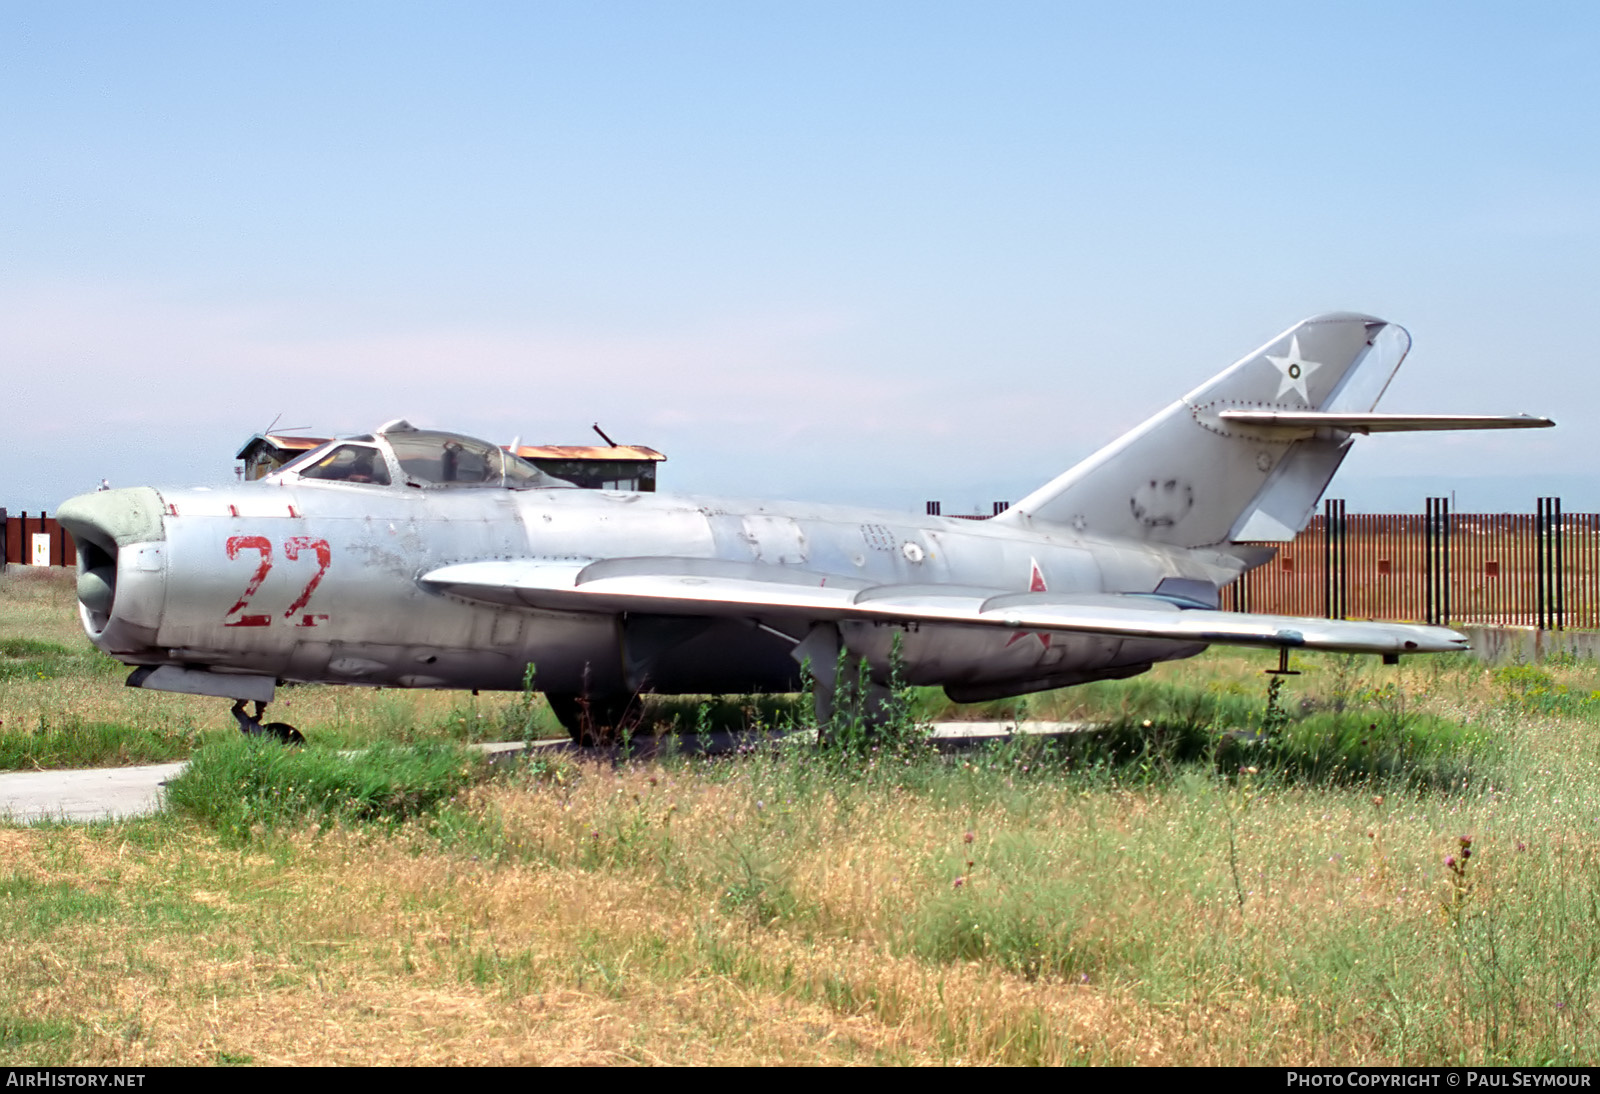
{"x": 592, "y": 719}
{"x": 250, "y": 725}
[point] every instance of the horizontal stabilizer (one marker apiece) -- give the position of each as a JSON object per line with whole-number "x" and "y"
{"x": 1304, "y": 421}
{"x": 708, "y": 587}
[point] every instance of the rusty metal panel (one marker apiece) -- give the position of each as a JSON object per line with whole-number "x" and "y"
{"x": 589, "y": 452}
{"x": 1490, "y": 569}
{"x": 20, "y": 530}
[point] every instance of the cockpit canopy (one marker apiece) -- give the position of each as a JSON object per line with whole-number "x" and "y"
{"x": 399, "y": 453}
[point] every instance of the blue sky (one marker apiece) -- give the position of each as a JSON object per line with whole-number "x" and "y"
{"x": 870, "y": 252}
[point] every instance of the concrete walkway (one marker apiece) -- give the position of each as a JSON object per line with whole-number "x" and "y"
{"x": 99, "y": 793}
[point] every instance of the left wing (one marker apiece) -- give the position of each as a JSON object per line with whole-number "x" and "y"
{"x": 694, "y": 586}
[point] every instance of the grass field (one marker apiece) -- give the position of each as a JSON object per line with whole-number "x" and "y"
{"x": 1380, "y": 866}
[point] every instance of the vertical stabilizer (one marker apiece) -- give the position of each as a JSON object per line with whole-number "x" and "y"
{"x": 1188, "y": 478}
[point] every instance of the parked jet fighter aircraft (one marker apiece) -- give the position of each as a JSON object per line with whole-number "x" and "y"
{"x": 415, "y": 558}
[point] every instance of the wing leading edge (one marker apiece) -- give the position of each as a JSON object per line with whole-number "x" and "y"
{"x": 690, "y": 586}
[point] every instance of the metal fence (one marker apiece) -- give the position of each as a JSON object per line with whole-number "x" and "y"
{"x": 34, "y": 540}
{"x": 1539, "y": 569}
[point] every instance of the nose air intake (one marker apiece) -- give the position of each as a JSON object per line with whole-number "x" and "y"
{"x": 104, "y": 524}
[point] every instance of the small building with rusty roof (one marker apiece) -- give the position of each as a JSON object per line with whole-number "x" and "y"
{"x": 597, "y": 467}
{"x": 266, "y": 452}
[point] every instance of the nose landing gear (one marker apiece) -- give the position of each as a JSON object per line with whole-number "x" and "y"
{"x": 250, "y": 725}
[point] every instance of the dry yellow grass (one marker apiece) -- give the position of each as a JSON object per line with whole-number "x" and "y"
{"x": 40, "y": 603}
{"x": 590, "y": 922}
{"x": 362, "y": 959}
{"x": 768, "y": 910}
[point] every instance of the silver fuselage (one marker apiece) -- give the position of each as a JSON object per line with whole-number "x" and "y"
{"x": 319, "y": 582}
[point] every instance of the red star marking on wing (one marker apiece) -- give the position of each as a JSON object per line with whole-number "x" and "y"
{"x": 1035, "y": 585}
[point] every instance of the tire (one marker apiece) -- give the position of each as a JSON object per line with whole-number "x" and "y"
{"x": 284, "y": 732}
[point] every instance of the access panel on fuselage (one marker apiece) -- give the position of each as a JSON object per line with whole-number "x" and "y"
{"x": 596, "y": 524}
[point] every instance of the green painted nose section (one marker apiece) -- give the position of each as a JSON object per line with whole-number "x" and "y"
{"x": 101, "y": 523}
{"x": 114, "y": 518}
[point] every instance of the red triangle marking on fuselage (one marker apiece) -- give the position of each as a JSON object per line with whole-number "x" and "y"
{"x": 1036, "y": 584}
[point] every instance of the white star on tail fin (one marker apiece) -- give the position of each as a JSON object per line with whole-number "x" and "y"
{"x": 1295, "y": 369}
